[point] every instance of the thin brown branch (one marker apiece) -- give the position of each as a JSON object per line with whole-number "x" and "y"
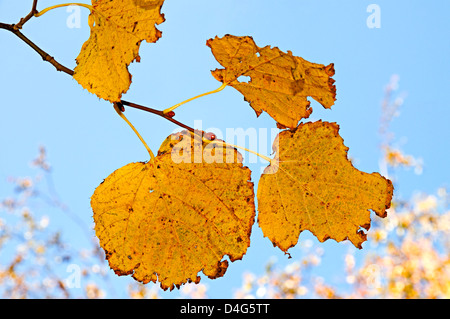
{"x": 27, "y": 17}
{"x": 157, "y": 112}
{"x": 47, "y": 57}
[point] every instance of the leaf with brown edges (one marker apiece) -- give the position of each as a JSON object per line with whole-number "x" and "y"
{"x": 280, "y": 82}
{"x": 117, "y": 29}
{"x": 311, "y": 185}
{"x": 169, "y": 219}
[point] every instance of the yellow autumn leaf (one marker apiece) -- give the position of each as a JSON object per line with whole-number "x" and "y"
{"x": 169, "y": 219}
{"x": 280, "y": 82}
{"x": 311, "y": 185}
{"x": 117, "y": 29}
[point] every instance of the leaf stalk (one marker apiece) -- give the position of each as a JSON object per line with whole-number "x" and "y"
{"x": 242, "y": 148}
{"x": 195, "y": 97}
{"x": 118, "y": 108}
{"x": 40, "y": 13}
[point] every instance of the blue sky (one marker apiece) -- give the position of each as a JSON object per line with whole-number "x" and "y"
{"x": 87, "y": 141}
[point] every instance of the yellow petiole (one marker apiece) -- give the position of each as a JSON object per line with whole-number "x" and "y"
{"x": 195, "y": 97}
{"x": 116, "y": 107}
{"x": 240, "y": 147}
{"x": 62, "y": 5}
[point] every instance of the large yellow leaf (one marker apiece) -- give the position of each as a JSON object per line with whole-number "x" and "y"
{"x": 311, "y": 185}
{"x": 117, "y": 29}
{"x": 280, "y": 82}
{"x": 166, "y": 221}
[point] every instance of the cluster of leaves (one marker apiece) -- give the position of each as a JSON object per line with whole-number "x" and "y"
{"x": 160, "y": 232}
{"x": 166, "y": 220}
{"x": 408, "y": 257}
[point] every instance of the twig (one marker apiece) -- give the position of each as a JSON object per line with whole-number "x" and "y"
{"x": 159, "y": 113}
{"x": 27, "y": 17}
{"x": 45, "y": 56}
